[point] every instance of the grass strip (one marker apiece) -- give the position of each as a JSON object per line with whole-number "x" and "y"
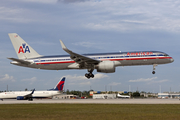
{"x": 90, "y": 111}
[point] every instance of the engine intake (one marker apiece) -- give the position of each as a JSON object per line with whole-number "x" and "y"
{"x": 20, "y": 98}
{"x": 106, "y": 67}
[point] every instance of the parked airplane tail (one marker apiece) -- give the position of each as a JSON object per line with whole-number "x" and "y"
{"x": 23, "y": 50}
{"x": 60, "y": 85}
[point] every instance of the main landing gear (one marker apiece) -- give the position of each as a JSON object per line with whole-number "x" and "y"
{"x": 30, "y": 99}
{"x": 154, "y": 68}
{"x": 90, "y": 74}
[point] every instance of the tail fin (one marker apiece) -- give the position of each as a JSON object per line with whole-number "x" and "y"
{"x": 23, "y": 50}
{"x": 60, "y": 84}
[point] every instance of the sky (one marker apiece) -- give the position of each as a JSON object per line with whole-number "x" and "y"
{"x": 92, "y": 26}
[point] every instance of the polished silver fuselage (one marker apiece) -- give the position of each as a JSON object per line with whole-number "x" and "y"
{"x": 63, "y": 62}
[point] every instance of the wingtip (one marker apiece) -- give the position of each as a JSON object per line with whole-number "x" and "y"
{"x": 62, "y": 44}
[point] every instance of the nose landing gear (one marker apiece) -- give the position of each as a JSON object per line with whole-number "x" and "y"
{"x": 154, "y": 68}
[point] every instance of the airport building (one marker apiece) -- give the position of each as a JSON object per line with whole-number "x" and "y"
{"x": 64, "y": 96}
{"x": 104, "y": 96}
{"x": 168, "y": 95}
{"x": 146, "y": 95}
{"x": 106, "y": 92}
{"x": 113, "y": 95}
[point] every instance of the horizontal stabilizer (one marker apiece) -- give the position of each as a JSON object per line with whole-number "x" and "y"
{"x": 20, "y": 61}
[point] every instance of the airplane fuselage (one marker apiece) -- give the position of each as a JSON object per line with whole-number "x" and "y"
{"x": 62, "y": 62}
{"x": 36, "y": 94}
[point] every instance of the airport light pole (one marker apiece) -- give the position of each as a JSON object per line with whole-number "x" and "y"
{"x": 160, "y": 90}
{"x": 129, "y": 90}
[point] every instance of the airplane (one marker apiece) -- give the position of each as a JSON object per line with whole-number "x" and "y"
{"x": 122, "y": 96}
{"x": 28, "y": 95}
{"x": 102, "y": 62}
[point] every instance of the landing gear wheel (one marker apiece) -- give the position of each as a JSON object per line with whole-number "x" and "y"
{"x": 89, "y": 75}
{"x": 30, "y": 99}
{"x": 153, "y": 72}
{"x": 86, "y": 75}
{"x": 92, "y": 76}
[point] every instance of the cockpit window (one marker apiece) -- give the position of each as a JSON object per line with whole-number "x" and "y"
{"x": 166, "y": 55}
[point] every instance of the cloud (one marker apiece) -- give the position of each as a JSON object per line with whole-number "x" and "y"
{"x": 100, "y": 76}
{"x": 85, "y": 44}
{"x": 31, "y": 80}
{"x": 40, "y": 1}
{"x": 114, "y": 84}
{"x": 14, "y": 15}
{"x": 80, "y": 83}
{"x": 160, "y": 81}
{"x": 92, "y": 44}
{"x": 96, "y": 76}
{"x": 72, "y": 1}
{"x": 116, "y": 15}
{"x": 149, "y": 80}
{"x": 135, "y": 15}
{"x": 143, "y": 79}
{"x": 6, "y": 77}
{"x": 75, "y": 77}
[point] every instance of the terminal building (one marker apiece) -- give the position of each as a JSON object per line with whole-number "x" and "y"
{"x": 169, "y": 95}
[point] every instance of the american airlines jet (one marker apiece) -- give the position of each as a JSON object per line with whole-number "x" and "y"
{"x": 28, "y": 95}
{"x": 102, "y": 62}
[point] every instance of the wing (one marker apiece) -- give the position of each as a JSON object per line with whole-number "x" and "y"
{"x": 20, "y": 61}
{"x": 80, "y": 59}
{"x": 29, "y": 95}
{"x": 26, "y": 97}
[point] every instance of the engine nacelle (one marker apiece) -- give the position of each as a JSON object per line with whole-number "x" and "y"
{"x": 20, "y": 98}
{"x": 106, "y": 67}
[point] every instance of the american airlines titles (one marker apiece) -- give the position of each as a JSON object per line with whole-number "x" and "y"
{"x": 139, "y": 53}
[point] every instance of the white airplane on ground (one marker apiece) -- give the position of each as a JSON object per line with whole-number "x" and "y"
{"x": 102, "y": 62}
{"x": 28, "y": 95}
{"x": 122, "y": 96}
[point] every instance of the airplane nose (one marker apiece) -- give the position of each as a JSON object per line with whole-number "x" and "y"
{"x": 172, "y": 60}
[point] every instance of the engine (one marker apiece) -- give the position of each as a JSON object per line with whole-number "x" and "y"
{"x": 106, "y": 67}
{"x": 20, "y": 98}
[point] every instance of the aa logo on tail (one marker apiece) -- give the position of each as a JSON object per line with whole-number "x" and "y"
{"x": 23, "y": 48}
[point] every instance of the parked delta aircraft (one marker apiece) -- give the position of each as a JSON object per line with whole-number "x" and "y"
{"x": 102, "y": 62}
{"x": 28, "y": 95}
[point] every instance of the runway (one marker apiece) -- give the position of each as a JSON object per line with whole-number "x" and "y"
{"x": 92, "y": 101}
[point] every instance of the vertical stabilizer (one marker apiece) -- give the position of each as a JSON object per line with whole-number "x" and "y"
{"x": 23, "y": 50}
{"x": 60, "y": 84}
